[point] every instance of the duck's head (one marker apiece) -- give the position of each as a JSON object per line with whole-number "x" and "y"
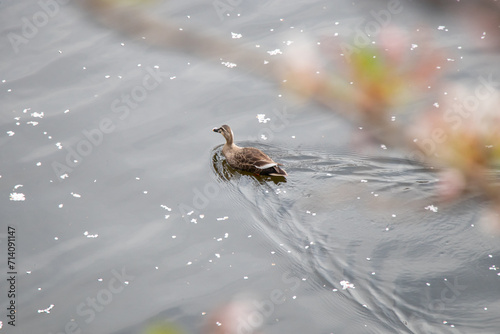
{"x": 226, "y": 131}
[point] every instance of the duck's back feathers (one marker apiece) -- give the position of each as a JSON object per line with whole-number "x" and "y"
{"x": 253, "y": 160}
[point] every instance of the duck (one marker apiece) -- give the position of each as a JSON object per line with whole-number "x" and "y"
{"x": 248, "y": 159}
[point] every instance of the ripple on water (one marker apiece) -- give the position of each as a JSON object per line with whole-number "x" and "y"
{"x": 367, "y": 222}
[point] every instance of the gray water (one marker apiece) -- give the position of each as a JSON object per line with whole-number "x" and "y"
{"x": 150, "y": 224}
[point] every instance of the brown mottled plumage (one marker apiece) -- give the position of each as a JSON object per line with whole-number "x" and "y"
{"x": 247, "y": 158}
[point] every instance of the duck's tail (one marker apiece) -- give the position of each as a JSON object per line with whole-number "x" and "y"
{"x": 277, "y": 171}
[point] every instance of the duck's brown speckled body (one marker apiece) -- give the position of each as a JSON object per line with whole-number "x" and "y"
{"x": 248, "y": 159}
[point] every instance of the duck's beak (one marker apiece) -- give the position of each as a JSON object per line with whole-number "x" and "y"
{"x": 216, "y": 130}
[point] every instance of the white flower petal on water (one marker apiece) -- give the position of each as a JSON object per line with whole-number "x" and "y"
{"x": 431, "y": 208}
{"x": 346, "y": 285}
{"x": 17, "y": 197}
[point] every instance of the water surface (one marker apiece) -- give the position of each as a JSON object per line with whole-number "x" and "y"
{"x": 149, "y": 223}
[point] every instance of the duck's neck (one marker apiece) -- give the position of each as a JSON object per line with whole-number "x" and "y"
{"x": 230, "y": 142}
{"x": 230, "y": 145}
